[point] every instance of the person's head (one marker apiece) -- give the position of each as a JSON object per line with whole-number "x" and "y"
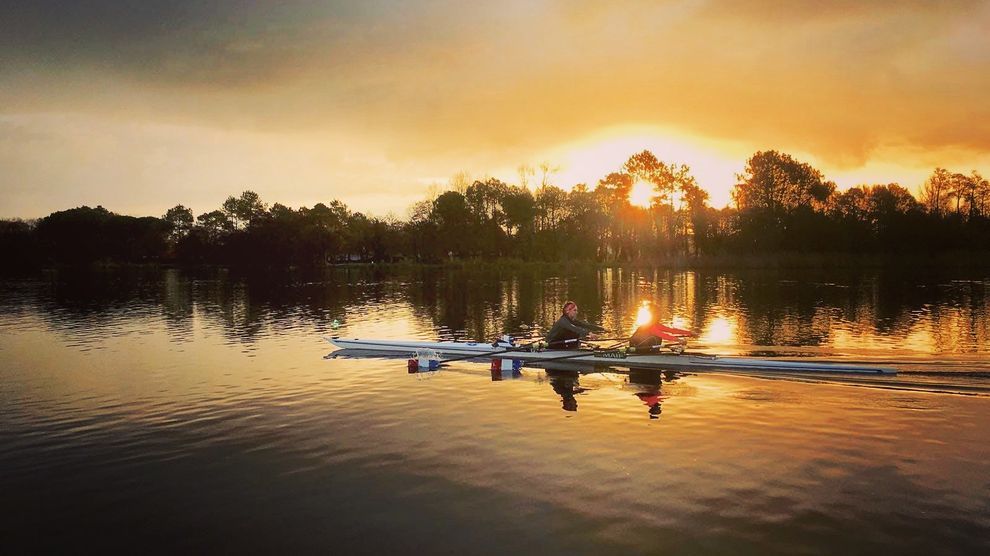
{"x": 570, "y": 309}
{"x": 645, "y": 317}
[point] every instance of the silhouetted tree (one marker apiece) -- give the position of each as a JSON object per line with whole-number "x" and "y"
{"x": 936, "y": 192}
{"x": 451, "y": 213}
{"x": 485, "y": 200}
{"x": 180, "y": 219}
{"x": 780, "y": 202}
{"x": 216, "y": 224}
{"x": 612, "y": 193}
{"x": 19, "y": 246}
{"x": 242, "y": 210}
{"x": 781, "y": 205}
{"x": 86, "y": 235}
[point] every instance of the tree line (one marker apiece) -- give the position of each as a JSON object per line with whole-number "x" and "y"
{"x": 779, "y": 205}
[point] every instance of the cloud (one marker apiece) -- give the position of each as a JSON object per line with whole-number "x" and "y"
{"x": 57, "y": 161}
{"x": 431, "y": 83}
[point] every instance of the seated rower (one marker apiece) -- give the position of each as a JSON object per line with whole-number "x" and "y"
{"x": 568, "y": 331}
{"x": 652, "y": 335}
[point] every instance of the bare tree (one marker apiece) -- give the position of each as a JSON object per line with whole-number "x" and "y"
{"x": 459, "y": 182}
{"x": 547, "y": 171}
{"x": 525, "y": 172}
{"x": 935, "y": 192}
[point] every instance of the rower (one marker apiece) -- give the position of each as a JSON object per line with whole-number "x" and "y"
{"x": 568, "y": 331}
{"x": 650, "y": 337}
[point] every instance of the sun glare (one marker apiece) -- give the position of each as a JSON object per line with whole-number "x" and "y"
{"x": 586, "y": 160}
{"x": 643, "y": 316}
{"x": 720, "y": 331}
{"x": 641, "y": 194}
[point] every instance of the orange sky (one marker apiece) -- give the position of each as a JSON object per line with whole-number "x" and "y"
{"x": 140, "y": 108}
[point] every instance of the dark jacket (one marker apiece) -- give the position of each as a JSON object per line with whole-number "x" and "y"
{"x": 645, "y": 337}
{"x": 569, "y": 329}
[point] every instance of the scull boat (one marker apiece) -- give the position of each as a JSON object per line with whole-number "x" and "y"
{"x": 606, "y": 357}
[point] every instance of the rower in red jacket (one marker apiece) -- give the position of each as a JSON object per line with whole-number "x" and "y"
{"x": 652, "y": 335}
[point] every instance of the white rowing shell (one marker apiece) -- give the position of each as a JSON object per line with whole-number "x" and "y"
{"x": 655, "y": 361}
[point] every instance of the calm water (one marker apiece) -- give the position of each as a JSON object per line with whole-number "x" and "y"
{"x": 169, "y": 412}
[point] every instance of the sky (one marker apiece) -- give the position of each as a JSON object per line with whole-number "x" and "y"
{"x": 139, "y": 106}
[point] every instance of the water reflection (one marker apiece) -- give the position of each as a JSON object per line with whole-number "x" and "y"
{"x": 563, "y": 378}
{"x": 834, "y": 312}
{"x": 193, "y": 411}
{"x": 566, "y": 384}
{"x": 647, "y": 386}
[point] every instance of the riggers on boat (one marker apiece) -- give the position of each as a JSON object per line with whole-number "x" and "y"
{"x": 612, "y": 357}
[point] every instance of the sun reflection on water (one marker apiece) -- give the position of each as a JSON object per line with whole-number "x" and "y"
{"x": 719, "y": 331}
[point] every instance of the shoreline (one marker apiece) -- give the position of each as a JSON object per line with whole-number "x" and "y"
{"x": 948, "y": 259}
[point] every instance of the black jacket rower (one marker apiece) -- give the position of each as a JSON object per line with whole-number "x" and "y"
{"x": 568, "y": 329}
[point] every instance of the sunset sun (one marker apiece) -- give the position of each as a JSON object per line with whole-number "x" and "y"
{"x": 641, "y": 194}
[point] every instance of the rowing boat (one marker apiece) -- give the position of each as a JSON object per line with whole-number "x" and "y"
{"x": 608, "y": 357}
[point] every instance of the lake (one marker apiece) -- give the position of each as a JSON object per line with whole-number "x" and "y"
{"x": 169, "y": 411}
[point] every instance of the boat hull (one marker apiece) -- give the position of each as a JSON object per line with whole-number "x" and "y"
{"x": 652, "y": 361}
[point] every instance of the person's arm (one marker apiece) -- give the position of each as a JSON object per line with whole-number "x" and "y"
{"x": 576, "y": 327}
{"x": 590, "y": 327}
{"x": 565, "y": 334}
{"x": 676, "y": 331}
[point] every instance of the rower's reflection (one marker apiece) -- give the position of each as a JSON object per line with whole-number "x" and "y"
{"x": 564, "y": 377}
{"x": 566, "y": 384}
{"x": 647, "y": 385}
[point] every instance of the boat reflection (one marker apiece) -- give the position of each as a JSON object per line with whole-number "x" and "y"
{"x": 564, "y": 377}
{"x": 646, "y": 384}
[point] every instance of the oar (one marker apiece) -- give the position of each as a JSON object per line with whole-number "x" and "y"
{"x": 500, "y": 351}
{"x": 556, "y": 344}
{"x": 582, "y": 353}
{"x": 616, "y": 339}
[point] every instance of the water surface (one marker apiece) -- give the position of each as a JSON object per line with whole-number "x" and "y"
{"x": 165, "y": 411}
